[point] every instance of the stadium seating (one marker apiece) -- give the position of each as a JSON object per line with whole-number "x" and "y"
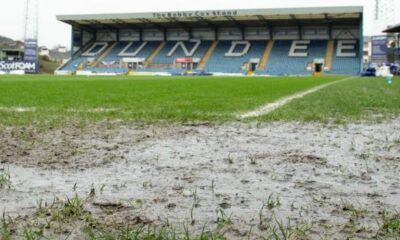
{"x": 280, "y": 63}
{"x": 164, "y": 63}
{"x": 346, "y": 65}
{"x": 220, "y": 63}
{"x": 223, "y": 59}
{"x": 108, "y": 70}
{"x": 91, "y": 53}
{"x": 74, "y": 63}
{"x": 95, "y": 49}
{"x": 113, "y": 55}
{"x": 163, "y": 58}
{"x": 147, "y": 50}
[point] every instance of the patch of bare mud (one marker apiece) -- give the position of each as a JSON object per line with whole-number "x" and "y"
{"x": 337, "y": 179}
{"x": 70, "y": 147}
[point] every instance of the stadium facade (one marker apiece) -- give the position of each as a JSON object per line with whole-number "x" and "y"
{"x": 289, "y": 41}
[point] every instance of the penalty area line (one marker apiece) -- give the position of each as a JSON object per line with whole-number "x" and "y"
{"x": 270, "y": 107}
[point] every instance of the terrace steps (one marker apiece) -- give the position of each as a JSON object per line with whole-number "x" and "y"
{"x": 329, "y": 54}
{"x": 153, "y": 54}
{"x": 266, "y": 54}
{"x": 96, "y": 62}
{"x": 207, "y": 56}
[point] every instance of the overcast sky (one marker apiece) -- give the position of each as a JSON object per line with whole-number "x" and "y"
{"x": 52, "y": 32}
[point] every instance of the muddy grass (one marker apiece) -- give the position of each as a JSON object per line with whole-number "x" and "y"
{"x": 240, "y": 181}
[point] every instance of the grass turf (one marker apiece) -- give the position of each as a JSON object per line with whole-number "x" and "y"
{"x": 59, "y": 99}
{"x": 360, "y": 99}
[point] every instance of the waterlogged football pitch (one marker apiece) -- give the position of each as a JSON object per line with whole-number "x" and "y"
{"x": 199, "y": 158}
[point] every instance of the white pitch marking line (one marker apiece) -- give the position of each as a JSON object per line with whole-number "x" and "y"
{"x": 270, "y": 107}
{"x": 17, "y": 109}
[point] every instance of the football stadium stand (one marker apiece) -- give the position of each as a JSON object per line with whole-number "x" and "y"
{"x": 300, "y": 41}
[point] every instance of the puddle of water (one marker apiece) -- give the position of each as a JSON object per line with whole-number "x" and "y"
{"x": 314, "y": 170}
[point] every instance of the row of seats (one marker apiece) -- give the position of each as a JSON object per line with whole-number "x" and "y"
{"x": 279, "y": 62}
{"x": 74, "y": 63}
{"x": 224, "y": 64}
{"x": 163, "y": 58}
{"x": 107, "y": 70}
{"x": 346, "y": 65}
